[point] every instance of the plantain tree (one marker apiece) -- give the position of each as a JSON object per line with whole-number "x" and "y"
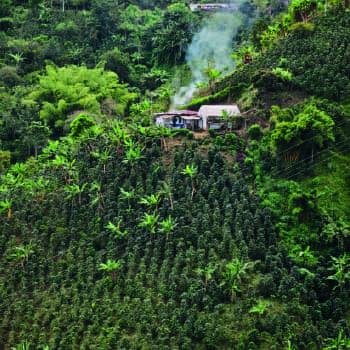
{"x": 149, "y": 222}
{"x": 191, "y": 171}
{"x": 151, "y": 201}
{"x": 111, "y": 267}
{"x": 233, "y": 274}
{"x": 167, "y": 226}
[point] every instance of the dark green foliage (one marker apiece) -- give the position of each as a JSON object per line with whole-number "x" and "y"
{"x": 255, "y": 132}
{"x": 173, "y": 34}
{"x": 9, "y": 76}
{"x": 64, "y": 291}
{"x": 5, "y": 158}
{"x": 123, "y": 235}
{"x": 314, "y": 53}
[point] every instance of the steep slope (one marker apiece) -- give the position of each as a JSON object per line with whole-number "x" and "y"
{"x": 191, "y": 286}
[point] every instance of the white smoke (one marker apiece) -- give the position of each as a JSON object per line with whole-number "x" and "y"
{"x": 211, "y": 45}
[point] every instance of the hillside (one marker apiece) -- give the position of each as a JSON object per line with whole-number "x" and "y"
{"x": 116, "y": 233}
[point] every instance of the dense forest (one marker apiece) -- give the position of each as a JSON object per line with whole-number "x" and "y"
{"x": 117, "y": 233}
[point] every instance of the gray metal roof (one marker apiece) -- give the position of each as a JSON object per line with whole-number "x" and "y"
{"x": 217, "y": 110}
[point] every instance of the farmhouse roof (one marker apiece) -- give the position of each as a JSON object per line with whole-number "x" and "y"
{"x": 177, "y": 113}
{"x": 216, "y": 110}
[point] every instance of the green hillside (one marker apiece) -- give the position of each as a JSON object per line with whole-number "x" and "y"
{"x": 116, "y": 233}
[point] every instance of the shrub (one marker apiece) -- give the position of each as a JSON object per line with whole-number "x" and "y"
{"x": 181, "y": 132}
{"x": 81, "y": 123}
{"x": 282, "y": 73}
{"x": 212, "y": 132}
{"x": 219, "y": 141}
{"x": 5, "y": 159}
{"x": 269, "y": 80}
{"x": 255, "y": 132}
{"x": 9, "y": 76}
{"x": 303, "y": 28}
{"x": 231, "y": 139}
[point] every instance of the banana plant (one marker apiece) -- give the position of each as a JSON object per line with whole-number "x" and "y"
{"x": 128, "y": 196}
{"x": 6, "y": 207}
{"x": 111, "y": 266}
{"x": 74, "y": 190}
{"x": 59, "y": 161}
{"x": 103, "y": 157}
{"x": 341, "y": 342}
{"x": 191, "y": 171}
{"x": 18, "y": 58}
{"x": 71, "y": 170}
{"x": 96, "y": 194}
{"x": 207, "y": 272}
{"x": 151, "y": 200}
{"x": 167, "y": 226}
{"x": 21, "y": 254}
{"x": 166, "y": 190}
{"x": 260, "y": 308}
{"x": 19, "y": 171}
{"x": 233, "y": 275}
{"x": 24, "y": 345}
{"x": 132, "y": 154}
{"x": 117, "y": 134}
{"x": 341, "y": 269}
{"x": 116, "y": 229}
{"x": 149, "y": 222}
{"x": 51, "y": 148}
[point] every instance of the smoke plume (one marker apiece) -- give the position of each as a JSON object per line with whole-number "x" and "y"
{"x": 211, "y": 45}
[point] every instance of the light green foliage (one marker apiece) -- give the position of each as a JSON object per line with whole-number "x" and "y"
{"x": 149, "y": 222}
{"x": 303, "y": 28}
{"x": 151, "y": 200}
{"x": 341, "y": 268}
{"x": 282, "y": 73}
{"x": 234, "y": 273}
{"x": 6, "y": 207}
{"x": 25, "y": 345}
{"x": 269, "y": 36}
{"x": 81, "y": 123}
{"x": 167, "y": 226}
{"x": 21, "y": 254}
{"x": 190, "y": 170}
{"x": 116, "y": 229}
{"x": 212, "y": 74}
{"x": 5, "y": 158}
{"x": 303, "y": 257}
{"x": 65, "y": 90}
{"x": 341, "y": 342}
{"x": 312, "y": 127}
{"x": 111, "y": 266}
{"x": 260, "y": 308}
{"x": 207, "y": 272}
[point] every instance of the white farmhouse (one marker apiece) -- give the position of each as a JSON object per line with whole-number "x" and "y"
{"x": 212, "y": 116}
